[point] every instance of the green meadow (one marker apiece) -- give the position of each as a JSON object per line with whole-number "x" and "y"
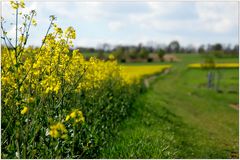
{"x": 179, "y": 117}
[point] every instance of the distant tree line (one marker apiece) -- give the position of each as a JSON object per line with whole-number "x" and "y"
{"x": 146, "y": 52}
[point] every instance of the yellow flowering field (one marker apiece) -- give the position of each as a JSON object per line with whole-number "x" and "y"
{"x": 144, "y": 70}
{"x": 56, "y": 104}
{"x": 216, "y": 65}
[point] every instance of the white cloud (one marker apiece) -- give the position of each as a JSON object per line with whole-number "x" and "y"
{"x": 93, "y": 42}
{"x": 219, "y": 17}
{"x": 162, "y": 8}
{"x": 88, "y": 11}
{"x": 161, "y": 18}
{"x": 132, "y": 40}
{"x": 6, "y": 9}
{"x": 115, "y": 25}
{"x": 155, "y": 18}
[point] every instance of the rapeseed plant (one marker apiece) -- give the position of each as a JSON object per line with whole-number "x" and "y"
{"x": 46, "y": 82}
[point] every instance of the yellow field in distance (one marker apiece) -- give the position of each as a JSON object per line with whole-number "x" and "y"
{"x": 216, "y": 65}
{"x": 140, "y": 71}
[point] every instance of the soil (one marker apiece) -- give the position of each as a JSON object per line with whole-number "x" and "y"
{"x": 148, "y": 80}
{"x": 235, "y": 106}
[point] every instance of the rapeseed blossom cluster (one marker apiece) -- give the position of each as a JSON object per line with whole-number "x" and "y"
{"x": 76, "y": 115}
{"x": 16, "y": 5}
{"x": 58, "y": 130}
{"x": 47, "y": 82}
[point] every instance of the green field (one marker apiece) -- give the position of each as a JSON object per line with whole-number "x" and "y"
{"x": 118, "y": 91}
{"x": 179, "y": 117}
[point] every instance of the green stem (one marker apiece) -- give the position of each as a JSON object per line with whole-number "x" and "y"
{"x": 73, "y": 145}
{"x": 16, "y": 38}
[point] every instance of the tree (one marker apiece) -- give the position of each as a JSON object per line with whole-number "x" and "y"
{"x": 217, "y": 47}
{"x": 139, "y": 47}
{"x": 161, "y": 54}
{"x": 106, "y": 47}
{"x": 236, "y": 49}
{"x": 174, "y": 46}
{"x": 132, "y": 51}
{"x": 227, "y": 49}
{"x": 101, "y": 54}
{"x": 143, "y": 52}
{"x": 201, "y": 49}
{"x": 217, "y": 50}
{"x": 182, "y": 50}
{"x": 190, "y": 49}
{"x": 119, "y": 53}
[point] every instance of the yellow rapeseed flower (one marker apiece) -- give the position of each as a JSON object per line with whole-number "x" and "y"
{"x": 61, "y": 127}
{"x": 58, "y": 130}
{"x": 67, "y": 118}
{"x": 22, "y": 4}
{"x": 16, "y": 4}
{"x": 13, "y": 4}
{"x": 73, "y": 114}
{"x": 34, "y": 22}
{"x": 24, "y": 110}
{"x": 30, "y": 100}
{"x": 81, "y": 119}
{"x": 76, "y": 115}
{"x": 54, "y": 133}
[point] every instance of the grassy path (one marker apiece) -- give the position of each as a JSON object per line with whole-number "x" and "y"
{"x": 177, "y": 118}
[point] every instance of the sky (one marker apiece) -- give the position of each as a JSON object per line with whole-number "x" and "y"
{"x": 133, "y": 22}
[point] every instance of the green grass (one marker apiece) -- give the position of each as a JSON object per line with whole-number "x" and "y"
{"x": 178, "y": 117}
{"x": 90, "y": 54}
{"x": 93, "y": 54}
